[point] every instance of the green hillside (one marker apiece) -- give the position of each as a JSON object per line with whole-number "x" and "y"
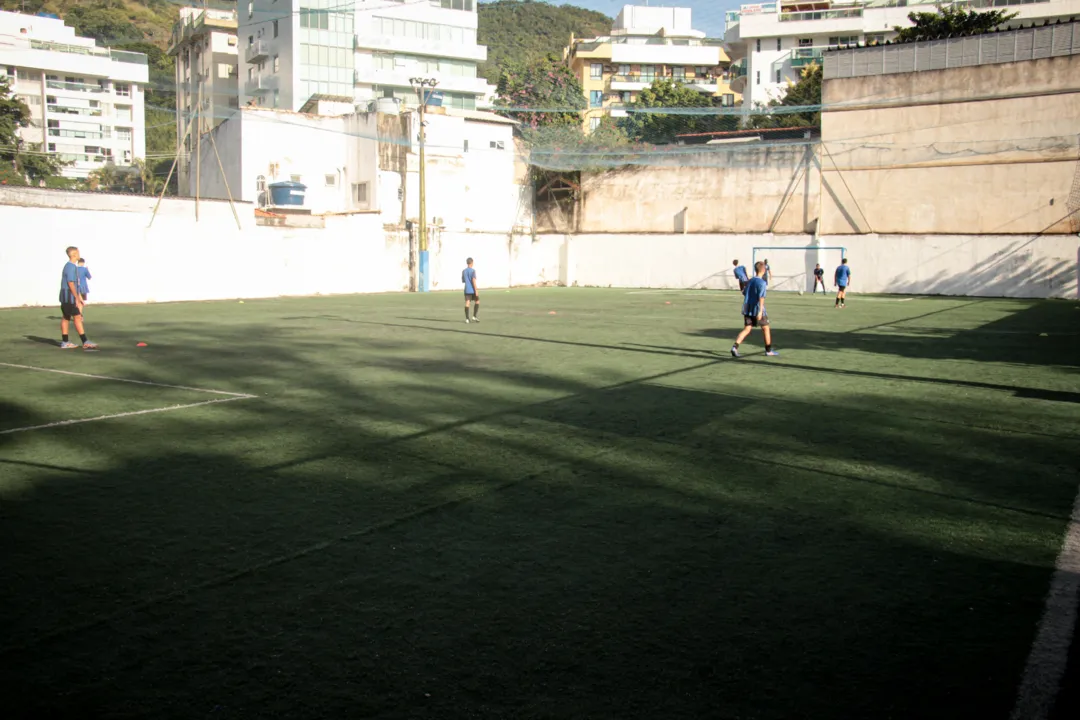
{"x": 521, "y": 31}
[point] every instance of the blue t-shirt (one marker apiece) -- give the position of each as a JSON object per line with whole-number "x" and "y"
{"x": 843, "y": 274}
{"x": 755, "y": 292}
{"x": 84, "y": 275}
{"x": 70, "y": 274}
{"x": 740, "y": 274}
{"x": 467, "y": 277}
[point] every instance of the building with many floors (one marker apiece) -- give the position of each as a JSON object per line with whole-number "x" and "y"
{"x": 772, "y": 42}
{"x": 291, "y": 50}
{"x": 647, "y": 44}
{"x": 86, "y": 102}
{"x": 205, "y": 47}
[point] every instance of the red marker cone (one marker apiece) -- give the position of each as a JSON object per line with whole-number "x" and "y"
{"x": 140, "y": 344}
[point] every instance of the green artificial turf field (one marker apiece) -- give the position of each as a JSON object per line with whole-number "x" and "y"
{"x": 595, "y": 513}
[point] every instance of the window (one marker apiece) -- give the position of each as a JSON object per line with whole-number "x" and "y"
{"x": 757, "y": 78}
{"x": 874, "y": 39}
{"x": 54, "y": 123}
{"x": 330, "y": 180}
{"x": 679, "y": 73}
{"x": 466, "y": 144}
{"x": 727, "y": 100}
{"x": 594, "y": 123}
{"x": 251, "y": 9}
{"x": 778, "y": 77}
{"x": 294, "y": 178}
{"x": 275, "y": 28}
{"x": 596, "y": 98}
{"x": 648, "y": 73}
{"x": 624, "y": 70}
{"x": 806, "y": 42}
{"x": 778, "y": 45}
{"x": 758, "y": 45}
{"x": 260, "y": 183}
{"x": 844, "y": 40}
{"x": 123, "y": 90}
{"x": 360, "y": 193}
{"x": 596, "y": 71}
{"x": 627, "y": 97}
{"x": 497, "y": 145}
{"x": 277, "y": 63}
{"x": 123, "y": 133}
{"x": 454, "y": 4}
{"x": 251, "y": 40}
{"x": 251, "y": 73}
{"x": 52, "y": 147}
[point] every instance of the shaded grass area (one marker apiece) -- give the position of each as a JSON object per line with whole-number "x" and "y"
{"x": 588, "y": 514}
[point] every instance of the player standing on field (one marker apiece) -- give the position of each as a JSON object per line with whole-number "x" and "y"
{"x": 472, "y": 291}
{"x": 71, "y": 303}
{"x": 842, "y": 280}
{"x": 753, "y": 311}
{"x": 767, "y": 277}
{"x": 741, "y": 276}
{"x": 819, "y": 277}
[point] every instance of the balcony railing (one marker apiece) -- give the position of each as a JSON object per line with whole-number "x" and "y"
{"x": 78, "y": 87}
{"x": 821, "y": 15}
{"x": 56, "y": 132}
{"x": 117, "y": 55}
{"x": 68, "y": 110}
{"x": 256, "y": 51}
{"x": 261, "y": 85}
{"x": 801, "y": 57}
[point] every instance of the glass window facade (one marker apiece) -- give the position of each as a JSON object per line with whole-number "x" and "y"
{"x": 395, "y": 27}
{"x": 326, "y": 49}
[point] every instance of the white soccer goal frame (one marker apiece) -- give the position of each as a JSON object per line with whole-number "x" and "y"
{"x": 796, "y": 285}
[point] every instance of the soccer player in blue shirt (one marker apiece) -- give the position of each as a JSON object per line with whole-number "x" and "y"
{"x": 472, "y": 291}
{"x": 741, "y": 276}
{"x": 842, "y": 280}
{"x": 753, "y": 310}
{"x": 84, "y": 286}
{"x": 71, "y": 303}
{"x": 819, "y": 278}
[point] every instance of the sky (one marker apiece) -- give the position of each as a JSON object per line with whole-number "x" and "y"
{"x": 708, "y": 14}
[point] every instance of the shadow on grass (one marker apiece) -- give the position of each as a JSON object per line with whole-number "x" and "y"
{"x": 382, "y": 534}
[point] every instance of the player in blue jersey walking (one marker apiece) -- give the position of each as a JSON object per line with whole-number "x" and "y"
{"x": 71, "y": 303}
{"x": 753, "y": 310}
{"x": 472, "y": 291}
{"x": 741, "y": 276}
{"x": 842, "y": 279}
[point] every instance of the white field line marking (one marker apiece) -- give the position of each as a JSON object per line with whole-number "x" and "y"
{"x": 128, "y": 380}
{"x": 1050, "y": 651}
{"x": 123, "y": 414}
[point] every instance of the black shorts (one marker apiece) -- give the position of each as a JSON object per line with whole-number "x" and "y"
{"x": 70, "y": 310}
{"x": 752, "y": 320}
{"x": 472, "y": 296}
{"x": 842, "y": 288}
{"x": 742, "y": 286}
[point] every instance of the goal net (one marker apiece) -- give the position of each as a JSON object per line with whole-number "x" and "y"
{"x": 793, "y": 267}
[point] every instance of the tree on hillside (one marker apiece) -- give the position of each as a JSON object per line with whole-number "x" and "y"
{"x": 804, "y": 94}
{"x": 20, "y": 161}
{"x": 541, "y": 94}
{"x": 950, "y": 20}
{"x": 692, "y": 113}
{"x": 520, "y": 33}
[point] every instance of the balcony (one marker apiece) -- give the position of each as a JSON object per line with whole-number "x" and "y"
{"x": 821, "y": 15}
{"x": 117, "y": 55}
{"x": 261, "y": 85}
{"x": 75, "y": 87}
{"x": 256, "y": 51}
{"x": 81, "y": 134}
{"x": 400, "y": 77}
{"x": 801, "y": 57}
{"x": 70, "y": 110}
{"x": 420, "y": 46}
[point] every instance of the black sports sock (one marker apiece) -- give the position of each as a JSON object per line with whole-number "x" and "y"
{"x": 768, "y": 347}
{"x": 736, "y": 346}
{"x": 837, "y": 301}
{"x": 475, "y": 309}
{"x": 82, "y": 336}
{"x": 64, "y": 337}
{"x": 466, "y": 312}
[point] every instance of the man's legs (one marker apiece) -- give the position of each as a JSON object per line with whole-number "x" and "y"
{"x": 475, "y": 308}
{"x": 467, "y": 298}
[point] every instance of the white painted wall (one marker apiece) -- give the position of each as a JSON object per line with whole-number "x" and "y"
{"x": 221, "y": 261}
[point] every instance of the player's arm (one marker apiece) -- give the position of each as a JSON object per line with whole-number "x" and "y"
{"x": 760, "y": 307}
{"x": 75, "y": 294}
{"x": 475, "y": 286}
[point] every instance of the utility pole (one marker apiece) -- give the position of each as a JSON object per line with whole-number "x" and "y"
{"x": 422, "y": 86}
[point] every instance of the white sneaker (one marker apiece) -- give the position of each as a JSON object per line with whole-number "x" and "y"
{"x": 467, "y": 321}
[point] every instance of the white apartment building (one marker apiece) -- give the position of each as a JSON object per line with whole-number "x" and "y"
{"x": 292, "y": 50}
{"x": 86, "y": 102}
{"x": 773, "y": 42}
{"x": 646, "y": 44}
{"x": 205, "y": 47}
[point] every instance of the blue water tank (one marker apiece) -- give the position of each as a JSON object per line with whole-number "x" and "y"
{"x": 287, "y": 193}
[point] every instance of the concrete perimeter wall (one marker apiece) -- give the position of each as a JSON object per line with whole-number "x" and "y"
{"x": 179, "y": 259}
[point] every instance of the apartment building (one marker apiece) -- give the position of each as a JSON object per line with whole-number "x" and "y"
{"x": 358, "y": 51}
{"x": 647, "y": 44}
{"x": 86, "y": 102}
{"x": 772, "y": 42}
{"x": 204, "y": 44}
